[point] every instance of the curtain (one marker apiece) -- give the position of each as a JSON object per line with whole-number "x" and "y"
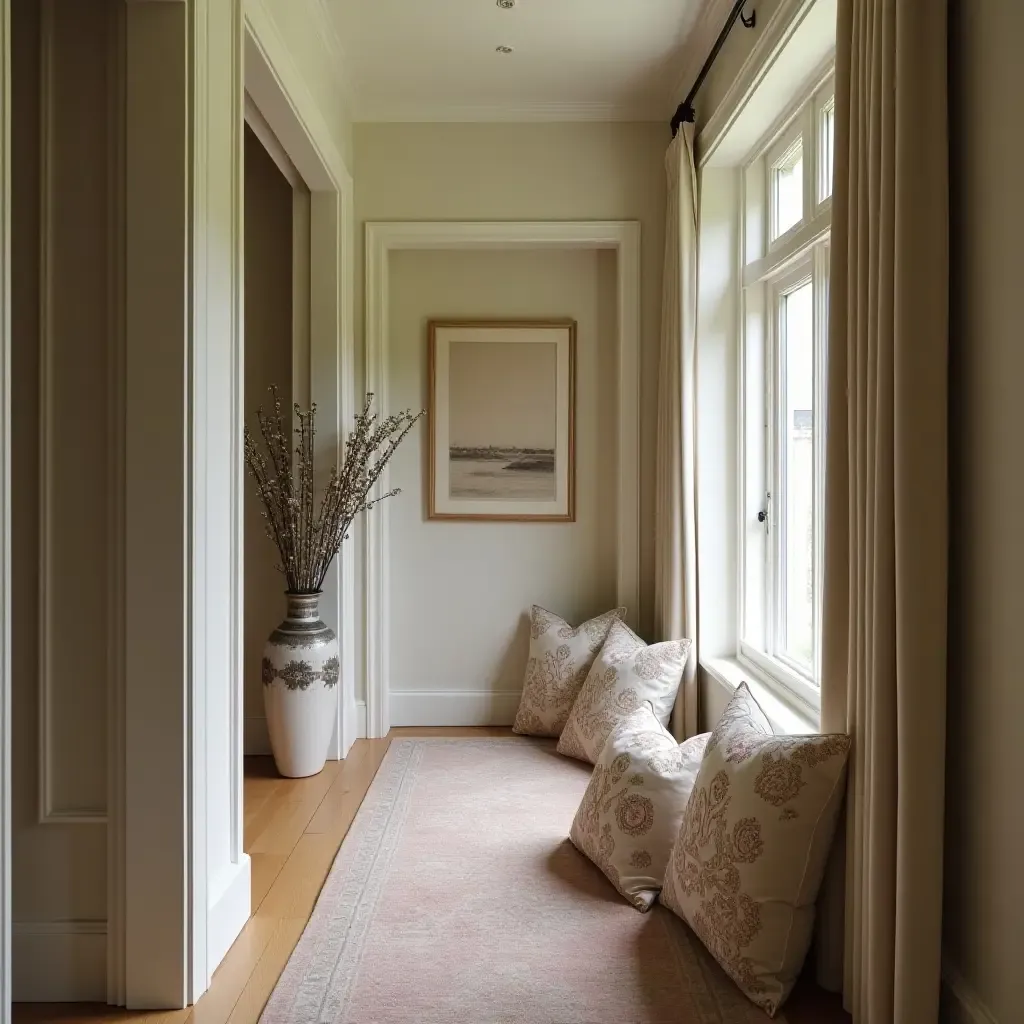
{"x": 886, "y": 505}
{"x": 675, "y": 540}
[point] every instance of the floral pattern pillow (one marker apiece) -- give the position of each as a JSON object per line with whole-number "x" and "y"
{"x": 630, "y": 815}
{"x": 560, "y": 658}
{"x": 752, "y": 847}
{"x": 626, "y": 673}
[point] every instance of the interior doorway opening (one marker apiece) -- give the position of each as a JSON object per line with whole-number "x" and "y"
{"x": 277, "y": 304}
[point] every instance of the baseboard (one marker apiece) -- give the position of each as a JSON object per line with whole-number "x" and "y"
{"x": 960, "y": 1003}
{"x": 59, "y": 961}
{"x": 454, "y": 707}
{"x": 229, "y": 911}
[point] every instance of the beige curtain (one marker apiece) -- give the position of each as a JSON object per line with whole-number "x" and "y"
{"x": 884, "y": 657}
{"x": 675, "y": 542}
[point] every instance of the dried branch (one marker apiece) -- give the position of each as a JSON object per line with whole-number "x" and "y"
{"x": 307, "y": 535}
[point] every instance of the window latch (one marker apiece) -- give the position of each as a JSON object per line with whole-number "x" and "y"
{"x": 762, "y": 516}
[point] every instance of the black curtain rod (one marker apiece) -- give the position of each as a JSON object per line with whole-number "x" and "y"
{"x": 685, "y": 111}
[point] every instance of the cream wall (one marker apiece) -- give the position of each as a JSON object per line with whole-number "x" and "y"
{"x": 984, "y": 913}
{"x": 59, "y": 870}
{"x": 268, "y": 360}
{"x": 460, "y": 591}
{"x": 529, "y": 172}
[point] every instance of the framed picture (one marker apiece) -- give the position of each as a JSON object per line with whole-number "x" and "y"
{"x": 502, "y": 409}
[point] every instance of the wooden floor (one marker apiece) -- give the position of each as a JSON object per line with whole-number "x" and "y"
{"x": 293, "y": 828}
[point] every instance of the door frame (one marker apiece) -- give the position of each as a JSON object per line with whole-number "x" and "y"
{"x": 275, "y": 86}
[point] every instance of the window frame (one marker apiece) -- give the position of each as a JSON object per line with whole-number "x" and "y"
{"x": 771, "y": 267}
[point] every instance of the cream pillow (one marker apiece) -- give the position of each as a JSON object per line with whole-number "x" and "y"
{"x": 626, "y": 673}
{"x": 560, "y": 658}
{"x": 630, "y": 815}
{"x": 752, "y": 847}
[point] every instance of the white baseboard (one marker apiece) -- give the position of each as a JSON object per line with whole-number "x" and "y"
{"x": 59, "y": 961}
{"x": 454, "y": 707}
{"x": 960, "y": 1003}
{"x": 229, "y": 911}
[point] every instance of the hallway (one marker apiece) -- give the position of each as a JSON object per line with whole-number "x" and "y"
{"x": 293, "y": 828}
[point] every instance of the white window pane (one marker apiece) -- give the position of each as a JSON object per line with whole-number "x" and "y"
{"x": 797, "y": 616}
{"x": 828, "y": 142}
{"x": 788, "y": 191}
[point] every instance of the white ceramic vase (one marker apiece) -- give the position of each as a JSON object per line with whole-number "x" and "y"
{"x": 300, "y": 688}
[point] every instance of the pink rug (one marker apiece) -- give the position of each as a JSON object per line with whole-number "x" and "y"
{"x": 457, "y": 898}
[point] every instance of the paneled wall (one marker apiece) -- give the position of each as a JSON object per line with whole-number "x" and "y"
{"x": 66, "y": 439}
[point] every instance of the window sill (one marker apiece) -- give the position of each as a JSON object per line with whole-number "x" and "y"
{"x": 785, "y": 718}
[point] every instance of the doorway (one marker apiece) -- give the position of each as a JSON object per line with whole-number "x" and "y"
{"x": 276, "y": 282}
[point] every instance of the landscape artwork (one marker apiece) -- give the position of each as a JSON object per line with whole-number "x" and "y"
{"x": 501, "y": 408}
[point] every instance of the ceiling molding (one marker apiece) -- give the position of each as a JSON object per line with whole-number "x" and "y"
{"x": 698, "y": 45}
{"x": 537, "y": 112}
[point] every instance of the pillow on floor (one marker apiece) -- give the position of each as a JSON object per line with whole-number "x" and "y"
{"x": 560, "y": 658}
{"x": 630, "y": 815}
{"x": 752, "y": 847}
{"x": 626, "y": 673}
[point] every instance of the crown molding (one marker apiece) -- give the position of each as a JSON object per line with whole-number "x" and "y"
{"x": 510, "y": 113}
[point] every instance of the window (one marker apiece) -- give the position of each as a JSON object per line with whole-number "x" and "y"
{"x": 787, "y": 219}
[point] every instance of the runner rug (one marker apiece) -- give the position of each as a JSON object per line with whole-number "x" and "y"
{"x": 456, "y": 898}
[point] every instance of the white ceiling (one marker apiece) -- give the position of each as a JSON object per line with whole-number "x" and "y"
{"x": 420, "y": 60}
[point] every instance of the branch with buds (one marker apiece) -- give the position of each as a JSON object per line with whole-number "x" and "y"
{"x": 307, "y": 536}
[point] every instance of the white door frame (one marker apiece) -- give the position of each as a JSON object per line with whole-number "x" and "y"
{"x": 5, "y": 514}
{"x": 275, "y": 85}
{"x": 623, "y": 237}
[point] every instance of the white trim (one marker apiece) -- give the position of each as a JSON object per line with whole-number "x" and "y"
{"x": 229, "y": 908}
{"x": 278, "y": 90}
{"x": 454, "y": 707}
{"x": 801, "y": 30}
{"x": 59, "y": 961}
{"x": 5, "y": 513}
{"x": 771, "y": 42}
{"x": 960, "y": 1004}
{"x": 258, "y": 123}
{"x": 384, "y": 238}
{"x": 786, "y": 718}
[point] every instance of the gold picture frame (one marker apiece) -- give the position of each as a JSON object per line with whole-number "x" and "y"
{"x": 502, "y": 419}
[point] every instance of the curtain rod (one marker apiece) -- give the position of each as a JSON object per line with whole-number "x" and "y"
{"x": 685, "y": 111}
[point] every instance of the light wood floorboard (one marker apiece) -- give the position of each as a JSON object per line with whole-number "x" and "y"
{"x": 293, "y": 828}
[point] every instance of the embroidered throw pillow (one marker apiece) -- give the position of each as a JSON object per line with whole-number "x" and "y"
{"x": 752, "y": 847}
{"x": 560, "y": 658}
{"x": 626, "y": 673}
{"x": 630, "y": 815}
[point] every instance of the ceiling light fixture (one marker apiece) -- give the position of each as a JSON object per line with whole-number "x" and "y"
{"x": 506, "y": 5}
{"x": 503, "y": 49}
